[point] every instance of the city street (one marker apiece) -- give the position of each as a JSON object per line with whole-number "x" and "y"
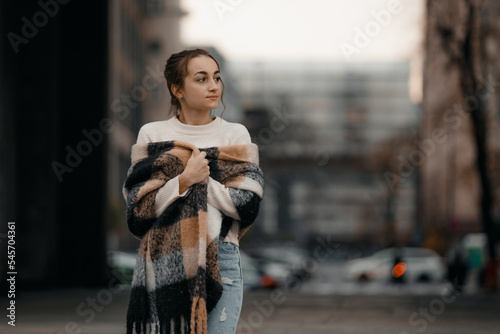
{"x": 348, "y": 150}
{"x": 374, "y": 314}
{"x": 274, "y": 311}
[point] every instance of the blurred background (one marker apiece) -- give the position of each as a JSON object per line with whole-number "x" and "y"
{"x": 377, "y": 122}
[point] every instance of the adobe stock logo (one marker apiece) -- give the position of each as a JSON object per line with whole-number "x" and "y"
{"x": 221, "y": 7}
{"x": 372, "y": 29}
{"x": 29, "y": 30}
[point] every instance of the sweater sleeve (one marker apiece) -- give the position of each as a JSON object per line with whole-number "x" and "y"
{"x": 167, "y": 194}
{"x": 229, "y": 200}
{"x": 219, "y": 197}
{"x": 143, "y": 137}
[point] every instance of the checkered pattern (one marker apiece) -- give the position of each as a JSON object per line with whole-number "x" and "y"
{"x": 177, "y": 279}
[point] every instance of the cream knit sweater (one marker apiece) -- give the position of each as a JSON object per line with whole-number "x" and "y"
{"x": 217, "y": 133}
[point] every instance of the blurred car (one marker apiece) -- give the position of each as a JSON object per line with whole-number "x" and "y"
{"x": 287, "y": 265}
{"x": 411, "y": 264}
{"x": 123, "y": 263}
{"x": 253, "y": 278}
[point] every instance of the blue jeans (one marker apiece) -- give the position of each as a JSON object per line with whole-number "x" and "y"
{"x": 223, "y": 319}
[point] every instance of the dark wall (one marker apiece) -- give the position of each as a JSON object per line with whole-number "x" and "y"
{"x": 53, "y": 87}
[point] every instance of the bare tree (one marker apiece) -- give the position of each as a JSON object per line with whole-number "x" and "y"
{"x": 463, "y": 29}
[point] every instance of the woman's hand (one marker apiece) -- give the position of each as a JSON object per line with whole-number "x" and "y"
{"x": 196, "y": 171}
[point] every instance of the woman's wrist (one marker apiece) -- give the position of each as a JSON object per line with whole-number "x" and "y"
{"x": 183, "y": 183}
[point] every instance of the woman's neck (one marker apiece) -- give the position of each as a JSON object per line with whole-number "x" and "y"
{"x": 195, "y": 118}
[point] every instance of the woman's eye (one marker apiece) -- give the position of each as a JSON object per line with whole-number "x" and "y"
{"x": 218, "y": 79}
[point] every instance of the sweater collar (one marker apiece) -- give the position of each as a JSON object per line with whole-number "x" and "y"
{"x": 209, "y": 128}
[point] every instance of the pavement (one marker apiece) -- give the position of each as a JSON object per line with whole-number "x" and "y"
{"x": 374, "y": 314}
{"x": 272, "y": 311}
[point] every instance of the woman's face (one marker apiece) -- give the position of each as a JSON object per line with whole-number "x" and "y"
{"x": 202, "y": 88}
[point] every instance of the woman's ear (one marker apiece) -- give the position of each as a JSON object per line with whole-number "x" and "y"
{"x": 174, "y": 89}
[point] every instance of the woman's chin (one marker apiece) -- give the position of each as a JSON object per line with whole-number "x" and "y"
{"x": 213, "y": 106}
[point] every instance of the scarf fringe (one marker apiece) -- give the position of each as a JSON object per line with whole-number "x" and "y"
{"x": 137, "y": 327}
{"x": 198, "y": 316}
{"x": 174, "y": 325}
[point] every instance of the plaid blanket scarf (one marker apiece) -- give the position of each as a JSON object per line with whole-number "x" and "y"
{"x": 177, "y": 279}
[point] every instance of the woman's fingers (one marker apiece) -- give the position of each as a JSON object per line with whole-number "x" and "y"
{"x": 201, "y": 157}
{"x": 206, "y": 170}
{"x": 198, "y": 166}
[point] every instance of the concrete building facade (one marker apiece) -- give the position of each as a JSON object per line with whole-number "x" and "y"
{"x": 318, "y": 129}
{"x": 143, "y": 34}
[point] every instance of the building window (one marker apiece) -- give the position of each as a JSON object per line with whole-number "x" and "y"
{"x": 154, "y": 47}
{"x": 156, "y": 94}
{"x": 355, "y": 125}
{"x": 154, "y": 7}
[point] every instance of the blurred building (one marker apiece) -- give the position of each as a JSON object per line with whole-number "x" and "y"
{"x": 318, "y": 126}
{"x": 142, "y": 35}
{"x": 162, "y": 38}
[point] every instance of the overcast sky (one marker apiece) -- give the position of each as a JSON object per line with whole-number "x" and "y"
{"x": 305, "y": 30}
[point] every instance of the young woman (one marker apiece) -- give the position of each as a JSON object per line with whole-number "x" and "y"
{"x": 218, "y": 175}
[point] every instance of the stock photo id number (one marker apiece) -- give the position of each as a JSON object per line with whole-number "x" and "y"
{"x": 11, "y": 273}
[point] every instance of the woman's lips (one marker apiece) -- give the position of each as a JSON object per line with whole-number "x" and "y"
{"x": 213, "y": 97}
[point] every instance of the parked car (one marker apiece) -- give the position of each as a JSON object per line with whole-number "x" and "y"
{"x": 124, "y": 264}
{"x": 411, "y": 264}
{"x": 253, "y": 276}
{"x": 287, "y": 265}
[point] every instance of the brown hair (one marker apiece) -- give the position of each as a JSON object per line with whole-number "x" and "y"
{"x": 176, "y": 71}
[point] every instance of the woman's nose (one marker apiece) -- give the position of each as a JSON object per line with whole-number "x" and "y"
{"x": 213, "y": 85}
